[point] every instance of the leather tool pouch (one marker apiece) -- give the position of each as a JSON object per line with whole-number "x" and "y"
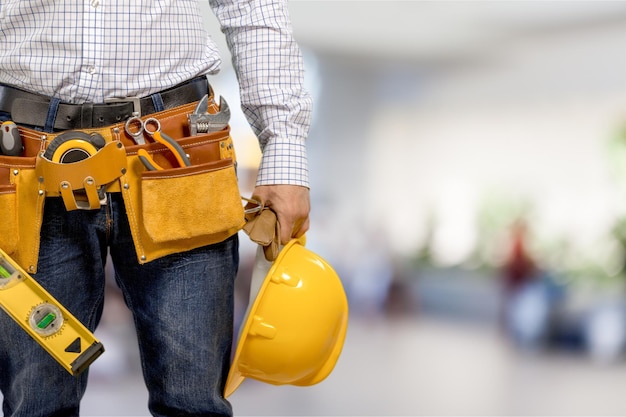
{"x": 26, "y": 181}
{"x": 169, "y": 211}
{"x": 21, "y": 207}
{"x": 182, "y": 208}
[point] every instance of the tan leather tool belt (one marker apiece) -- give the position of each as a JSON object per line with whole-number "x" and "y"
{"x": 170, "y": 210}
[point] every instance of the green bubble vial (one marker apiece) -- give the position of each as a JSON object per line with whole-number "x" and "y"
{"x": 45, "y": 322}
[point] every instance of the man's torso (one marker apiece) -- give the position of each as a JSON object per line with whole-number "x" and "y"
{"x": 88, "y": 50}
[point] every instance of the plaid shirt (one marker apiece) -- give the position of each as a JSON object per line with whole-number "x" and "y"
{"x": 88, "y": 50}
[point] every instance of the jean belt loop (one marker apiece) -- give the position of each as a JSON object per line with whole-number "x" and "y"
{"x": 157, "y": 100}
{"x": 52, "y": 115}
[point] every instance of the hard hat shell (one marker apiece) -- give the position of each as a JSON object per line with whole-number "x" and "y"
{"x": 294, "y": 330}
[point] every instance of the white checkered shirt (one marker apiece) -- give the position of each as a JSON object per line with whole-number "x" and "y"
{"x": 88, "y": 50}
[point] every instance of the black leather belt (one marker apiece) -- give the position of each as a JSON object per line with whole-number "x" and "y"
{"x": 32, "y": 109}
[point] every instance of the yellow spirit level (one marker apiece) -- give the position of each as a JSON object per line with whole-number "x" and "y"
{"x": 45, "y": 319}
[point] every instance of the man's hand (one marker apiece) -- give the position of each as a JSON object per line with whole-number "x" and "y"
{"x": 292, "y": 205}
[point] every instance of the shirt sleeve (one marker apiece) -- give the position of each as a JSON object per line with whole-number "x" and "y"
{"x": 269, "y": 68}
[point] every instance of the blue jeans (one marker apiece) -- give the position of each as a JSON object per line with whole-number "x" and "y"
{"x": 182, "y": 306}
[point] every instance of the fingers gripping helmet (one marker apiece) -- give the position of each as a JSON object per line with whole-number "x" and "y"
{"x": 296, "y": 325}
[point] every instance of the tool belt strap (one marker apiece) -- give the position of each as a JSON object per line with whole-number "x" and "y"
{"x": 32, "y": 109}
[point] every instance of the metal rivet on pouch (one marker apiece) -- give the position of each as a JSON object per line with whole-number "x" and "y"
{"x": 15, "y": 172}
{"x": 123, "y": 171}
{"x": 65, "y": 185}
{"x": 143, "y": 258}
{"x": 31, "y": 268}
{"x": 90, "y": 181}
{"x": 126, "y": 186}
{"x": 41, "y": 192}
{"x": 222, "y": 144}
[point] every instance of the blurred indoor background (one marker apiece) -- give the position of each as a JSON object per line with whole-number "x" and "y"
{"x": 468, "y": 167}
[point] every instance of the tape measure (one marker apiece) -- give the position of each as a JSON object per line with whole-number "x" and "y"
{"x": 45, "y": 319}
{"x": 73, "y": 146}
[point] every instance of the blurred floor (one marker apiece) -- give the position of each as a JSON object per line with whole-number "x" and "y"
{"x": 438, "y": 352}
{"x": 400, "y": 366}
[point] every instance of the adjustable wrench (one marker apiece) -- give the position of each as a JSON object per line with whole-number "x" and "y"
{"x": 201, "y": 121}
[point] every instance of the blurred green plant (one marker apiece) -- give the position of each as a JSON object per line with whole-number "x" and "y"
{"x": 597, "y": 269}
{"x": 498, "y": 211}
{"x": 616, "y": 157}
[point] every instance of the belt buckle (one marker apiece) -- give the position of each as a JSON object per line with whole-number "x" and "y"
{"x": 135, "y": 100}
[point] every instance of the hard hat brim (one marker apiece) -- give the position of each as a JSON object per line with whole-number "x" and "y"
{"x": 235, "y": 377}
{"x": 264, "y": 271}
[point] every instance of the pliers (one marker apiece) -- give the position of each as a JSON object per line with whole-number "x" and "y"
{"x": 159, "y": 136}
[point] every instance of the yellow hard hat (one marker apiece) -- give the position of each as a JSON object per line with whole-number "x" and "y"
{"x": 294, "y": 330}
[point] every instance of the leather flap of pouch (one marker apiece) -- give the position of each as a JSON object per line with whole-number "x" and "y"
{"x": 105, "y": 166}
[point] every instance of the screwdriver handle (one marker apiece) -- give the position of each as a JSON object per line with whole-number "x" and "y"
{"x": 10, "y": 141}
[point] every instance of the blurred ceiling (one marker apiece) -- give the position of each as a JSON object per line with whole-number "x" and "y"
{"x": 439, "y": 30}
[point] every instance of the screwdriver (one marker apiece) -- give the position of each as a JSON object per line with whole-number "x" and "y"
{"x": 10, "y": 141}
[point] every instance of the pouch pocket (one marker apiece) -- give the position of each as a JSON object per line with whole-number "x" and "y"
{"x": 180, "y": 209}
{"x": 191, "y": 202}
{"x": 21, "y": 208}
{"x": 8, "y": 224}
